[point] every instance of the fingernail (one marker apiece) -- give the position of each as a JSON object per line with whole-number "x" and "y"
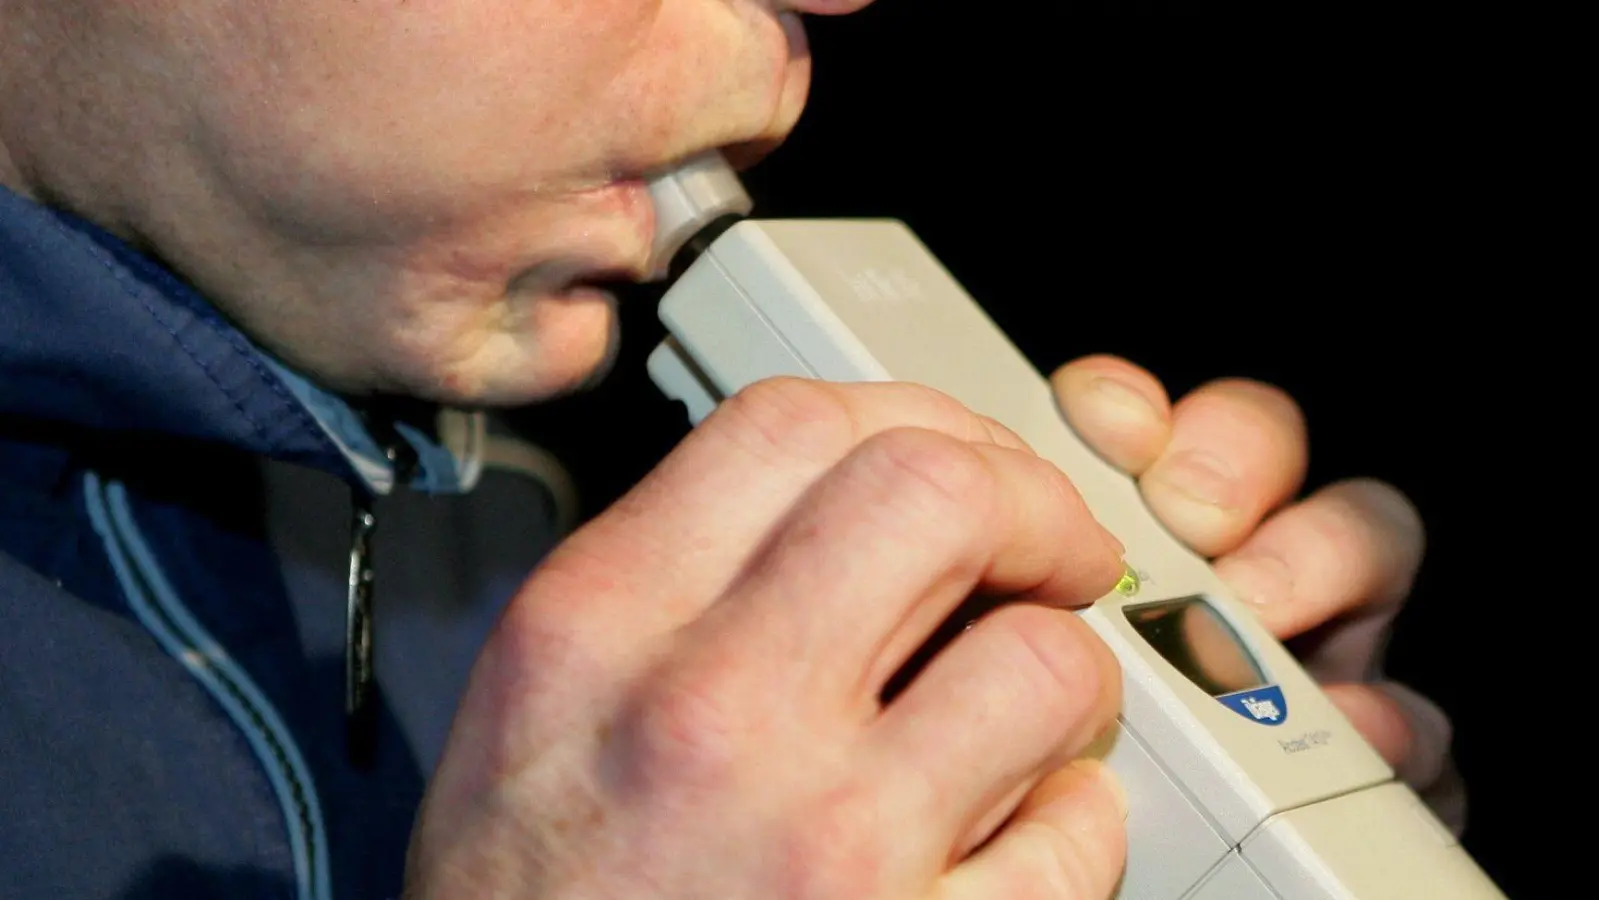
{"x": 1102, "y": 774}
{"x": 1116, "y": 401}
{"x": 1258, "y": 578}
{"x": 1200, "y": 477}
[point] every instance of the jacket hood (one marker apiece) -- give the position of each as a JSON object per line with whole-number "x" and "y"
{"x": 97, "y": 336}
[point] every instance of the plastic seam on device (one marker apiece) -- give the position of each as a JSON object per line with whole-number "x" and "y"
{"x": 853, "y": 358}
{"x": 1261, "y": 825}
{"x": 1259, "y": 875}
{"x": 1204, "y": 812}
{"x": 759, "y": 314}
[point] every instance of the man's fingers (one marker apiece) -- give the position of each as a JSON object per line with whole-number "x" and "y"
{"x": 1237, "y": 451}
{"x": 1414, "y": 735}
{"x": 1410, "y": 731}
{"x": 675, "y": 542}
{"x": 1211, "y": 466}
{"x": 1349, "y": 552}
{"x": 1068, "y": 841}
{"x": 883, "y": 549}
{"x": 1117, "y": 408}
{"x": 1015, "y": 697}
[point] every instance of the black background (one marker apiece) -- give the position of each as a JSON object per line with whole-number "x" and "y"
{"x": 1209, "y": 201}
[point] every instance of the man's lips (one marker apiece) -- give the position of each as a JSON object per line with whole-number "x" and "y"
{"x": 569, "y": 275}
{"x": 608, "y": 242}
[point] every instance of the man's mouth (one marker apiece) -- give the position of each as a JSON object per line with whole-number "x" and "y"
{"x": 566, "y": 278}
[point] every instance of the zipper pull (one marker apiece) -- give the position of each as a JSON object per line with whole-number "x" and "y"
{"x": 360, "y": 707}
{"x": 360, "y": 676}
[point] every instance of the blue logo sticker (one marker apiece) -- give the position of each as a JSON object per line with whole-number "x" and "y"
{"x": 1264, "y": 705}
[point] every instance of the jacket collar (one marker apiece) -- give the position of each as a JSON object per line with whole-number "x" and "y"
{"x": 95, "y": 335}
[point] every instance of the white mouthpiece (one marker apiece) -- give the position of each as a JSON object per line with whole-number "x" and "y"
{"x": 698, "y": 192}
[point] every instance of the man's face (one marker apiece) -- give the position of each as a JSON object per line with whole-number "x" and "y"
{"x": 413, "y": 193}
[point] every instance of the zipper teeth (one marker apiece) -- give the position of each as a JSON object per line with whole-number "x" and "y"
{"x": 157, "y": 607}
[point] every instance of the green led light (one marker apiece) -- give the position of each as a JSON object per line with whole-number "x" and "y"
{"x": 1128, "y": 585}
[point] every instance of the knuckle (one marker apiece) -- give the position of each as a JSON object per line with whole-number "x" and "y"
{"x": 545, "y": 671}
{"x": 683, "y": 732}
{"x": 834, "y": 851}
{"x": 788, "y": 417}
{"x": 960, "y": 419}
{"x": 1001, "y": 434}
{"x": 936, "y": 469}
{"x": 1063, "y": 667}
{"x": 547, "y": 646}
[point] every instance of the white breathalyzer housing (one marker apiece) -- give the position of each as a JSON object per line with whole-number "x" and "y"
{"x": 1244, "y": 781}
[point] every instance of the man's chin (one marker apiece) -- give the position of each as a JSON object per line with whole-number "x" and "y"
{"x": 556, "y": 366}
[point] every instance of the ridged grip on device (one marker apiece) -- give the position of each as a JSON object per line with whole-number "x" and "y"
{"x": 699, "y": 191}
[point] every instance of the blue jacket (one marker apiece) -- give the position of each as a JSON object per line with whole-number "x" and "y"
{"x": 170, "y": 724}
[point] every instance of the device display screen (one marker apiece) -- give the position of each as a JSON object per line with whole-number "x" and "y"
{"x": 1194, "y": 638}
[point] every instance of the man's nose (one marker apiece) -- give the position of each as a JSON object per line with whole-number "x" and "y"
{"x": 824, "y": 7}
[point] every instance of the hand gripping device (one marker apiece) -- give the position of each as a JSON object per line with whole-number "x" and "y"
{"x": 1244, "y": 781}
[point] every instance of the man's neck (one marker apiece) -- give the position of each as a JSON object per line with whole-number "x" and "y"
{"x": 16, "y": 41}
{"x": 63, "y": 105}
{"x": 10, "y": 175}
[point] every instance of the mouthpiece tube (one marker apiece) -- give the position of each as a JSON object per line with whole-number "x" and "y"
{"x": 694, "y": 203}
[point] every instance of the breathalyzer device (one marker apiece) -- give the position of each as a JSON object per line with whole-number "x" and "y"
{"x": 1244, "y": 782}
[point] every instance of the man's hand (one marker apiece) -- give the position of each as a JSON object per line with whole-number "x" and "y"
{"x": 1222, "y": 468}
{"x": 684, "y": 701}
